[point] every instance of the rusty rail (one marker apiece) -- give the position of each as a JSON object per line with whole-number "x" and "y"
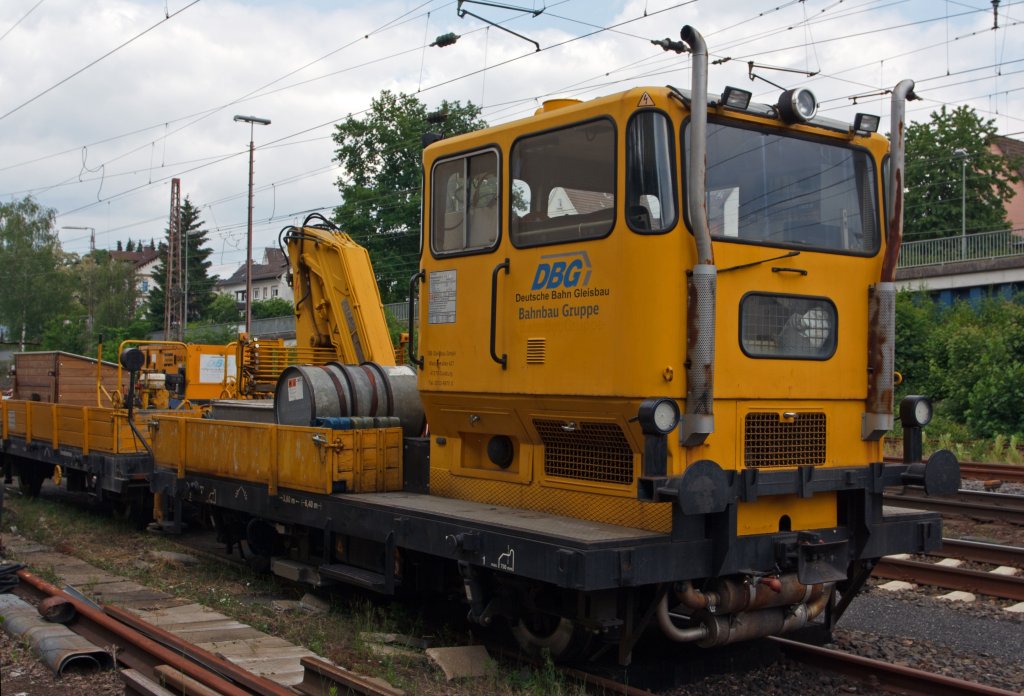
{"x": 1003, "y": 472}
{"x": 980, "y": 582}
{"x": 998, "y": 507}
{"x": 137, "y": 651}
{"x": 1010, "y": 473}
{"x": 981, "y": 552}
{"x": 321, "y": 678}
{"x": 906, "y": 680}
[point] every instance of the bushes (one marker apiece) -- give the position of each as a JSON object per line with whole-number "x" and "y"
{"x": 968, "y": 358}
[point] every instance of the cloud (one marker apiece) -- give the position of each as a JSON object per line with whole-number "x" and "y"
{"x": 108, "y": 140}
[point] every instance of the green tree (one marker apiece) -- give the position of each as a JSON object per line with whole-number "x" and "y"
{"x": 33, "y": 287}
{"x": 934, "y": 171}
{"x": 106, "y": 289}
{"x": 104, "y": 301}
{"x": 223, "y": 310}
{"x": 274, "y": 307}
{"x": 200, "y": 284}
{"x": 381, "y": 184}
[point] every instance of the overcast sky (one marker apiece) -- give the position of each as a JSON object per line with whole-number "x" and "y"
{"x": 101, "y": 146}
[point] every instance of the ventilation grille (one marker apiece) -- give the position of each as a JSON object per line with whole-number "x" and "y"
{"x": 774, "y": 441}
{"x": 536, "y": 351}
{"x": 586, "y": 451}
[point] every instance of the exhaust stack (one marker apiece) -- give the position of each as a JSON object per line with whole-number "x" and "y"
{"x": 877, "y": 419}
{"x": 699, "y": 420}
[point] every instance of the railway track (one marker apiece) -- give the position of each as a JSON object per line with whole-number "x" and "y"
{"x": 890, "y": 677}
{"x": 997, "y": 507}
{"x": 151, "y": 656}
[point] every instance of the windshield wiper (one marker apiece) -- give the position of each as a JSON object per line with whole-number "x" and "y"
{"x": 758, "y": 263}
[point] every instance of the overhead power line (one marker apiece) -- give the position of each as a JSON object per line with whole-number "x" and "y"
{"x": 105, "y": 55}
{"x": 23, "y": 17}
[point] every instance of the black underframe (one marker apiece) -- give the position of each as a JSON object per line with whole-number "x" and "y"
{"x": 114, "y": 473}
{"x": 699, "y": 546}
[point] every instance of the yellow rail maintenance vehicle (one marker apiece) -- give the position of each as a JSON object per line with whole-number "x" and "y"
{"x": 648, "y": 385}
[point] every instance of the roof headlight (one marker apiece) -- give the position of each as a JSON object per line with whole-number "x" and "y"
{"x": 865, "y": 123}
{"x": 736, "y": 98}
{"x": 797, "y": 105}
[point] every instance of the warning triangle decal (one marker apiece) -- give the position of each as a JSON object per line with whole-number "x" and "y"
{"x": 645, "y": 100}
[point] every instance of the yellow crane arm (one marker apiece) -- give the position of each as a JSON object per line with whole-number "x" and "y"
{"x": 337, "y": 303}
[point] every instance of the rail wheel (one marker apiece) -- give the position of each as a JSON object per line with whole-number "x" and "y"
{"x": 561, "y": 638}
{"x": 135, "y": 509}
{"x": 31, "y": 482}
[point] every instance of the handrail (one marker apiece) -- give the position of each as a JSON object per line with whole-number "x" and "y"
{"x": 503, "y": 360}
{"x": 414, "y": 292}
{"x": 978, "y": 246}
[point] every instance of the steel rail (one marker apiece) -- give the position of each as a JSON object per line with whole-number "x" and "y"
{"x": 977, "y": 581}
{"x": 983, "y": 470}
{"x": 981, "y": 552}
{"x": 1003, "y": 472}
{"x": 999, "y": 507}
{"x": 318, "y": 677}
{"x": 905, "y": 679}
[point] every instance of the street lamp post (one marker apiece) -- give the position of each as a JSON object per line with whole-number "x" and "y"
{"x": 92, "y": 234}
{"x": 962, "y": 154}
{"x": 251, "y": 120}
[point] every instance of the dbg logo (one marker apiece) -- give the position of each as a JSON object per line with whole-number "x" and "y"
{"x": 569, "y": 270}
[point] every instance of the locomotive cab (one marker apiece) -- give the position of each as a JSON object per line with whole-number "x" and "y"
{"x": 594, "y": 271}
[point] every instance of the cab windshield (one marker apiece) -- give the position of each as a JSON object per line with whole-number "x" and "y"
{"x": 782, "y": 190}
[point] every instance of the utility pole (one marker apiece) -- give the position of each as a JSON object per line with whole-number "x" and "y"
{"x": 251, "y": 120}
{"x": 174, "y": 290}
{"x": 962, "y": 155}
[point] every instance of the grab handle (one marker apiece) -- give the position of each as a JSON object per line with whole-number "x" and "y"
{"x": 413, "y": 294}
{"x": 503, "y": 360}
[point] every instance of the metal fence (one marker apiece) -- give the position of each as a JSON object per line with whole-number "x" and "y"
{"x": 971, "y": 247}
{"x": 400, "y": 311}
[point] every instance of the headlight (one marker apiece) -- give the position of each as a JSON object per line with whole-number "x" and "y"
{"x": 796, "y": 105}
{"x": 658, "y": 416}
{"x": 915, "y": 411}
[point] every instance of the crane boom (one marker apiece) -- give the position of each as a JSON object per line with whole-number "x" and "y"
{"x": 337, "y": 303}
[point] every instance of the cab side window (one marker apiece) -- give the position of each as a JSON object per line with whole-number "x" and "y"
{"x": 464, "y": 203}
{"x": 563, "y": 185}
{"x": 650, "y": 179}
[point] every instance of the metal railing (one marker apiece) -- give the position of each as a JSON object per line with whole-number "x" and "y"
{"x": 400, "y": 311}
{"x": 972, "y": 247}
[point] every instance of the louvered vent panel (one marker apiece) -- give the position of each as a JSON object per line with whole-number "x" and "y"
{"x": 536, "y": 351}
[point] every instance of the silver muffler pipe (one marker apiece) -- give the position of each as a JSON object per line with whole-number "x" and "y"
{"x": 877, "y": 419}
{"x": 702, "y": 281}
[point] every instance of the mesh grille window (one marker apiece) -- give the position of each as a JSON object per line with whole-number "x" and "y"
{"x": 586, "y": 451}
{"x": 775, "y": 440}
{"x": 782, "y": 326}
